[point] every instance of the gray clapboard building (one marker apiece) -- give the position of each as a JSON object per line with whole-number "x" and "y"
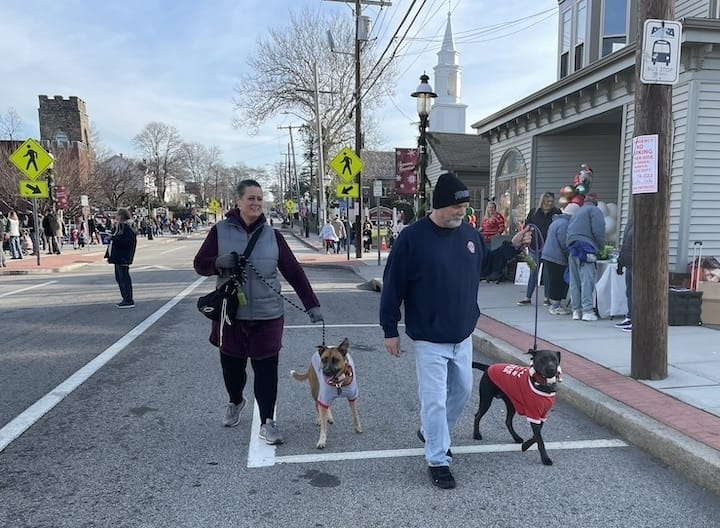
{"x": 587, "y": 116}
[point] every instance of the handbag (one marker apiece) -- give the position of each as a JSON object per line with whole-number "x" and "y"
{"x": 222, "y": 303}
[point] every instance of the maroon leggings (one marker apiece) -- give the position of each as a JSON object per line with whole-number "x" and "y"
{"x": 264, "y": 386}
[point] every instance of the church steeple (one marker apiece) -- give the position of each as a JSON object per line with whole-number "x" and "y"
{"x": 448, "y": 113}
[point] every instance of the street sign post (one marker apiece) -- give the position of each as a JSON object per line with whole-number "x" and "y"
{"x": 661, "y": 52}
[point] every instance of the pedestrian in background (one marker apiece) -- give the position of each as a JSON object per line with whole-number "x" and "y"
{"x": 256, "y": 332}
{"x": 493, "y": 222}
{"x": 328, "y": 236}
{"x": 121, "y": 253}
{"x": 14, "y": 232}
{"x": 367, "y": 235}
{"x": 585, "y": 237}
{"x": 4, "y": 237}
{"x": 540, "y": 218}
{"x": 555, "y": 260}
{"x": 624, "y": 266}
{"x": 441, "y": 311}
{"x": 339, "y": 227}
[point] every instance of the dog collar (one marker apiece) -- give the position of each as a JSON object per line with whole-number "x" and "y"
{"x": 343, "y": 380}
{"x": 542, "y": 383}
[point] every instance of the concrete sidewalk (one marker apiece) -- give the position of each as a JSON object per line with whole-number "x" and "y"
{"x": 676, "y": 419}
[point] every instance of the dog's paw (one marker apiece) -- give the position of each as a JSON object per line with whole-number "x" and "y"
{"x": 358, "y": 429}
{"x": 547, "y": 461}
{"x": 320, "y": 445}
{"x": 477, "y": 435}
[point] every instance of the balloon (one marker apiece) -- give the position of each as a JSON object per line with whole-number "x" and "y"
{"x": 562, "y": 202}
{"x": 612, "y": 210}
{"x": 603, "y": 208}
{"x": 578, "y": 199}
{"x": 610, "y": 226}
{"x": 568, "y": 191}
{"x": 571, "y": 208}
{"x": 581, "y": 189}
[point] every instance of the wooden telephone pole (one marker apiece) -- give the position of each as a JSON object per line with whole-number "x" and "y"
{"x": 653, "y": 112}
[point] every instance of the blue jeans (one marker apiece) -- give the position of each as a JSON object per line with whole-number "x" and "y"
{"x": 445, "y": 380}
{"x": 15, "y": 249}
{"x": 582, "y": 285}
{"x": 532, "y": 281}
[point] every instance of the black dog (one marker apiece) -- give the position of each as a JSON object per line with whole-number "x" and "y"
{"x": 528, "y": 390}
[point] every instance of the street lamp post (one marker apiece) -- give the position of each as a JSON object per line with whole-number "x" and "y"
{"x": 424, "y": 96}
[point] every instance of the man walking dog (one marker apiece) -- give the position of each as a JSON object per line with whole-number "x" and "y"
{"x": 434, "y": 269}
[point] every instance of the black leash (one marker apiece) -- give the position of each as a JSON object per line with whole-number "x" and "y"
{"x": 290, "y": 302}
{"x": 539, "y": 244}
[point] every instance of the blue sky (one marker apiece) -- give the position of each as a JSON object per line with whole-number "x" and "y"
{"x": 177, "y": 61}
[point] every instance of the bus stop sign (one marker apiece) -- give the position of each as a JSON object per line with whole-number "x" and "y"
{"x": 661, "y": 52}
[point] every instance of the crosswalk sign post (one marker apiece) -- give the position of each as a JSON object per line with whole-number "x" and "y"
{"x": 32, "y": 160}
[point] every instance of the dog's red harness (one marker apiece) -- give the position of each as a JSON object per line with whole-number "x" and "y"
{"x": 342, "y": 380}
{"x": 518, "y": 384}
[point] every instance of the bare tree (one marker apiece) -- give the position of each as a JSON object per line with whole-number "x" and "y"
{"x": 118, "y": 181}
{"x": 10, "y": 125}
{"x": 199, "y": 163}
{"x": 160, "y": 144}
{"x": 281, "y": 77}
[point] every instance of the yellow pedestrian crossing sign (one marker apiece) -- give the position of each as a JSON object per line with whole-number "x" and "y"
{"x": 34, "y": 189}
{"x": 346, "y": 164}
{"x": 215, "y": 207}
{"x": 347, "y": 190}
{"x": 31, "y": 159}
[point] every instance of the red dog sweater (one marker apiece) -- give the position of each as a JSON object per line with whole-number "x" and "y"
{"x": 516, "y": 383}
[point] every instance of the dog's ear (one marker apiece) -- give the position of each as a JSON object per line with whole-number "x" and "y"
{"x": 321, "y": 349}
{"x": 558, "y": 355}
{"x": 532, "y": 352}
{"x": 343, "y": 347}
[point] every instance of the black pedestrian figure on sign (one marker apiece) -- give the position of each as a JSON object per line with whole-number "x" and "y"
{"x": 347, "y": 164}
{"x": 31, "y": 155}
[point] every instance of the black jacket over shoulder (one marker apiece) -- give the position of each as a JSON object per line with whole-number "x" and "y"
{"x": 122, "y": 244}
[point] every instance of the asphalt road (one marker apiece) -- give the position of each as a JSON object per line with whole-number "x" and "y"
{"x": 113, "y": 418}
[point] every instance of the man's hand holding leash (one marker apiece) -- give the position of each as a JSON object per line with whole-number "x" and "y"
{"x": 522, "y": 238}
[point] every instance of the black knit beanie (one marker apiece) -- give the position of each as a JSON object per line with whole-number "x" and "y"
{"x": 449, "y": 190}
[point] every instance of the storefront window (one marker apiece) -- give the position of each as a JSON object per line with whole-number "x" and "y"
{"x": 510, "y": 189}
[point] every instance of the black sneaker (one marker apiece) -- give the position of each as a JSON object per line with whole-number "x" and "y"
{"x": 126, "y": 305}
{"x": 524, "y": 302}
{"x": 422, "y": 439}
{"x": 441, "y": 477}
{"x": 625, "y": 322}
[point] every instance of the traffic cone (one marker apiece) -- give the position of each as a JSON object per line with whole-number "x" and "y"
{"x": 383, "y": 245}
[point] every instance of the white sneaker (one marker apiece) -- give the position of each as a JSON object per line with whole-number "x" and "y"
{"x": 624, "y": 323}
{"x": 577, "y": 315}
{"x": 559, "y": 310}
{"x": 589, "y": 317}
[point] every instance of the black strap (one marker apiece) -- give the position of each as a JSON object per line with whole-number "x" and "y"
{"x": 242, "y": 259}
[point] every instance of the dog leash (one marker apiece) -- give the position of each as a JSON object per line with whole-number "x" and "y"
{"x": 290, "y": 302}
{"x": 539, "y": 244}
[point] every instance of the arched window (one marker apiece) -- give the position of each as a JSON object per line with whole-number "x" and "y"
{"x": 510, "y": 185}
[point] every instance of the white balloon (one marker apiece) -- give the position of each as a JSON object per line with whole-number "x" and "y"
{"x": 603, "y": 208}
{"x": 610, "y": 226}
{"x": 612, "y": 210}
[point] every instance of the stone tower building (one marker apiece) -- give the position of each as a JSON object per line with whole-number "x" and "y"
{"x": 63, "y": 121}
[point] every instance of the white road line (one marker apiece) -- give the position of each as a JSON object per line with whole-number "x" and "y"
{"x": 171, "y": 250}
{"x": 260, "y": 454}
{"x": 397, "y": 453}
{"x": 32, "y": 414}
{"x": 28, "y": 288}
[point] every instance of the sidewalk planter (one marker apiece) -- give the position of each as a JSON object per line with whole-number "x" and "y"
{"x": 711, "y": 301}
{"x": 685, "y": 307}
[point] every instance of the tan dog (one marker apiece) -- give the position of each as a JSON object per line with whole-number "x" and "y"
{"x": 331, "y": 375}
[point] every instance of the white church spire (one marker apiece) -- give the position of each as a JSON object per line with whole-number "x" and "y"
{"x": 448, "y": 113}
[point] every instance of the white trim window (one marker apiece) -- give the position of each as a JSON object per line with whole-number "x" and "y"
{"x": 580, "y": 35}
{"x": 565, "y": 41}
{"x": 614, "y": 26}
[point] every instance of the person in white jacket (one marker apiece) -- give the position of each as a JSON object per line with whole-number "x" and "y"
{"x": 328, "y": 236}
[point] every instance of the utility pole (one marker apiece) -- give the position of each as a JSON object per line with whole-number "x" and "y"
{"x": 358, "y": 112}
{"x": 321, "y": 154}
{"x": 653, "y": 111}
{"x": 294, "y": 162}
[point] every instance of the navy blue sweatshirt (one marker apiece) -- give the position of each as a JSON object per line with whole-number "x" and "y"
{"x": 435, "y": 272}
